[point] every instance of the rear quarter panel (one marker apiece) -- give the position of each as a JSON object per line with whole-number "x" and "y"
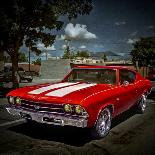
{"x": 143, "y": 85}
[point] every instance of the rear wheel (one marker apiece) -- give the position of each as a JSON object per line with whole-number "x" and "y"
{"x": 103, "y": 124}
{"x": 141, "y": 107}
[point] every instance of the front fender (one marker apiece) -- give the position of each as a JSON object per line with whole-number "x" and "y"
{"x": 94, "y": 110}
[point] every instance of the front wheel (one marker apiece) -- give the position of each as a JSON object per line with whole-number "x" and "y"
{"x": 103, "y": 124}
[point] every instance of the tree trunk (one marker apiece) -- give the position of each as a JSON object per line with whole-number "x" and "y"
{"x": 143, "y": 71}
{"x": 29, "y": 61}
{"x": 14, "y": 59}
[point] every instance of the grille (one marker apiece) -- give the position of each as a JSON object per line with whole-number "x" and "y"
{"x": 41, "y": 107}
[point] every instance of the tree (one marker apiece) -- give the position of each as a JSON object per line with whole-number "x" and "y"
{"x": 22, "y": 57}
{"x": 67, "y": 53}
{"x": 104, "y": 57}
{"x": 37, "y": 62}
{"x": 82, "y": 54}
{"x": 144, "y": 52}
{"x": 29, "y": 22}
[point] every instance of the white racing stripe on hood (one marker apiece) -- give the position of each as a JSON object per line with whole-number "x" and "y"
{"x": 53, "y": 86}
{"x": 64, "y": 91}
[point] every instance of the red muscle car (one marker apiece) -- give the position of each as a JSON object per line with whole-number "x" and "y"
{"x": 89, "y": 96}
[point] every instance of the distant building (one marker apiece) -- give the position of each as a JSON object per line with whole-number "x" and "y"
{"x": 53, "y": 58}
{"x": 87, "y": 60}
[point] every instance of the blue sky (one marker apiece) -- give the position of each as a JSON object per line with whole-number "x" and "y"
{"x": 113, "y": 25}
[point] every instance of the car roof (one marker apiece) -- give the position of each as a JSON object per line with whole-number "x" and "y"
{"x": 100, "y": 67}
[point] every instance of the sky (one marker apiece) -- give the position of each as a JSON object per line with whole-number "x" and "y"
{"x": 113, "y": 25}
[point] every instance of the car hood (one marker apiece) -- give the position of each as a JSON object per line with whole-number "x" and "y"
{"x": 62, "y": 92}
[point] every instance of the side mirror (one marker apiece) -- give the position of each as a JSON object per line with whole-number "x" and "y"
{"x": 125, "y": 83}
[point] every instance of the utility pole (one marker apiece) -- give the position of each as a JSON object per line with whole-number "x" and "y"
{"x": 46, "y": 54}
{"x": 67, "y": 47}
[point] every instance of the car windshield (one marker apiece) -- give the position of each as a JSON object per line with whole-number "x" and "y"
{"x": 102, "y": 76}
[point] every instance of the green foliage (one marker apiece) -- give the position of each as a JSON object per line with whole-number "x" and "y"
{"x": 144, "y": 52}
{"x": 30, "y": 22}
{"x": 37, "y": 62}
{"x": 82, "y": 54}
{"x": 22, "y": 57}
{"x": 104, "y": 57}
{"x": 67, "y": 53}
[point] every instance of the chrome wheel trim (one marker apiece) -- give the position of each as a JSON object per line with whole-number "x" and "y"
{"x": 104, "y": 122}
{"x": 143, "y": 103}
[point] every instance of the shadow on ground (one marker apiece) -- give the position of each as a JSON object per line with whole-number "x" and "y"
{"x": 68, "y": 135}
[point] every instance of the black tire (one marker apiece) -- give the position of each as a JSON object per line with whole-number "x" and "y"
{"x": 29, "y": 121}
{"x": 102, "y": 125}
{"x": 141, "y": 107}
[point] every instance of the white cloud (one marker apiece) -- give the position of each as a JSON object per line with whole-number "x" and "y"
{"x": 44, "y": 54}
{"x": 40, "y": 45}
{"x": 49, "y": 48}
{"x": 131, "y": 41}
{"x": 151, "y": 27}
{"x": 62, "y": 37}
{"x": 82, "y": 46}
{"x": 63, "y": 47}
{"x": 78, "y": 32}
{"x": 134, "y": 33}
{"x": 120, "y": 23}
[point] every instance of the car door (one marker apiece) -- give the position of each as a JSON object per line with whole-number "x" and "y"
{"x": 127, "y": 94}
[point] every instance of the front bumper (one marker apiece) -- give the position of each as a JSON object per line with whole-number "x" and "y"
{"x": 48, "y": 118}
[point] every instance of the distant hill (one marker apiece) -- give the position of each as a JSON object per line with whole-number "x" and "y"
{"x": 126, "y": 56}
{"x": 100, "y": 54}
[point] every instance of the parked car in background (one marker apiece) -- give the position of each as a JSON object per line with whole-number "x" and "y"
{"x": 89, "y": 96}
{"x": 6, "y": 83}
{"x": 24, "y": 76}
{"x": 21, "y": 74}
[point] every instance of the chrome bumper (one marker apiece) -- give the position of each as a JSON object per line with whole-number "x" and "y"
{"x": 48, "y": 118}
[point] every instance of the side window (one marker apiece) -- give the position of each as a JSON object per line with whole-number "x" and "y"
{"x": 108, "y": 76}
{"x": 126, "y": 75}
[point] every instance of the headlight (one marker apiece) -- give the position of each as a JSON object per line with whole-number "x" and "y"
{"x": 79, "y": 110}
{"x": 11, "y": 100}
{"x": 18, "y": 100}
{"x": 68, "y": 108}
